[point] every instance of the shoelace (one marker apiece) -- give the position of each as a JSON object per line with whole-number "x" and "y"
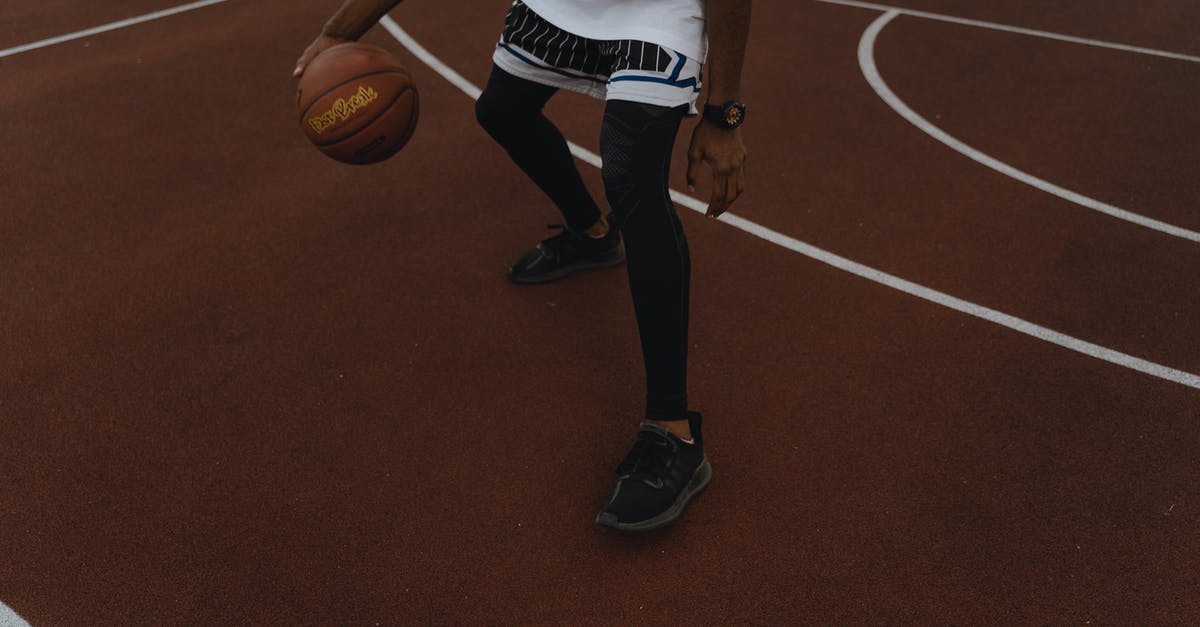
{"x": 651, "y": 454}
{"x": 552, "y": 245}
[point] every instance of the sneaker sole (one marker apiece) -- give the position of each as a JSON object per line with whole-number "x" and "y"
{"x": 566, "y": 270}
{"x": 699, "y": 482}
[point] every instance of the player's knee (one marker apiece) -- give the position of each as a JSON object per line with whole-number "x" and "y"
{"x": 619, "y": 151}
{"x": 489, "y": 113}
{"x": 621, "y": 188}
{"x": 506, "y": 119}
{"x": 634, "y": 142}
{"x": 618, "y": 171}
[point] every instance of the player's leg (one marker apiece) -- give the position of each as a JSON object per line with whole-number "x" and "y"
{"x": 510, "y": 110}
{"x": 667, "y": 465}
{"x": 636, "y": 143}
{"x": 650, "y": 90}
{"x": 533, "y": 59}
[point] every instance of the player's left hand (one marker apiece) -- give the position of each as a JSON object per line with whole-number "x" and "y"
{"x": 319, "y": 45}
{"x": 725, "y": 154}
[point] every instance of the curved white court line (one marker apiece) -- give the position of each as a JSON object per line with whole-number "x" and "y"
{"x": 841, "y": 263}
{"x": 866, "y": 61}
{"x": 1022, "y": 326}
{"x": 108, "y": 27}
{"x": 941, "y": 17}
{"x": 9, "y": 618}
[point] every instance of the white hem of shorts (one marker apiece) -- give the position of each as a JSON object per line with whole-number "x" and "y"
{"x": 545, "y": 75}
{"x": 597, "y": 86}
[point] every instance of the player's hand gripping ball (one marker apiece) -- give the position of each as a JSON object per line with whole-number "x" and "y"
{"x": 357, "y": 103}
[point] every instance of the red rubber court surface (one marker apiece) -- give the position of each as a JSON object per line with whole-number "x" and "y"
{"x": 956, "y": 383}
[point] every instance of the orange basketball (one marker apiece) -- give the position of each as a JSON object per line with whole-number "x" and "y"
{"x": 357, "y": 103}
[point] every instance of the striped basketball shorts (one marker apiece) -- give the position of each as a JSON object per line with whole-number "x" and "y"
{"x": 534, "y": 49}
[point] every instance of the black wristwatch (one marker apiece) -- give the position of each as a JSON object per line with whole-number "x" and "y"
{"x": 728, "y": 116}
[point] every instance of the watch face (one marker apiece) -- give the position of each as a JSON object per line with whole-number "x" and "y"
{"x": 729, "y": 115}
{"x": 734, "y": 115}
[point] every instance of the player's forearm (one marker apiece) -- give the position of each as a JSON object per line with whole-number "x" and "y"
{"x": 356, "y": 17}
{"x": 728, "y": 23}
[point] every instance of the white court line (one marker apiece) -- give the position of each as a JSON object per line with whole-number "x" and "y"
{"x": 841, "y": 263}
{"x": 1016, "y": 29}
{"x": 9, "y": 618}
{"x": 866, "y": 61}
{"x": 108, "y": 27}
{"x": 818, "y": 254}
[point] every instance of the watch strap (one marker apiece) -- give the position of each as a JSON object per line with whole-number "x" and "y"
{"x": 729, "y": 115}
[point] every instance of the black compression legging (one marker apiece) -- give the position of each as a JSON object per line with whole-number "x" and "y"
{"x": 510, "y": 110}
{"x": 635, "y": 142}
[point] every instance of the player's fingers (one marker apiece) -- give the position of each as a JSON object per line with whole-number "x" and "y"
{"x": 732, "y": 189}
{"x": 319, "y": 45}
{"x": 303, "y": 62}
{"x": 718, "y": 201}
{"x": 730, "y": 194}
{"x": 306, "y": 57}
{"x": 693, "y": 171}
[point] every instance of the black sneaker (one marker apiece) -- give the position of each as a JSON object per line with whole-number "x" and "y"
{"x": 565, "y": 253}
{"x": 657, "y": 479}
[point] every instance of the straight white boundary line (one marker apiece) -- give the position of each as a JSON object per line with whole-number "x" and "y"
{"x": 841, "y": 263}
{"x": 866, "y": 61}
{"x": 9, "y": 618}
{"x": 1016, "y": 29}
{"x": 108, "y": 27}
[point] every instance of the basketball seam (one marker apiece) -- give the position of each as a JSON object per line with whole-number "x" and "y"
{"x": 315, "y": 100}
{"x": 411, "y": 127}
{"x": 351, "y": 80}
{"x": 382, "y": 110}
